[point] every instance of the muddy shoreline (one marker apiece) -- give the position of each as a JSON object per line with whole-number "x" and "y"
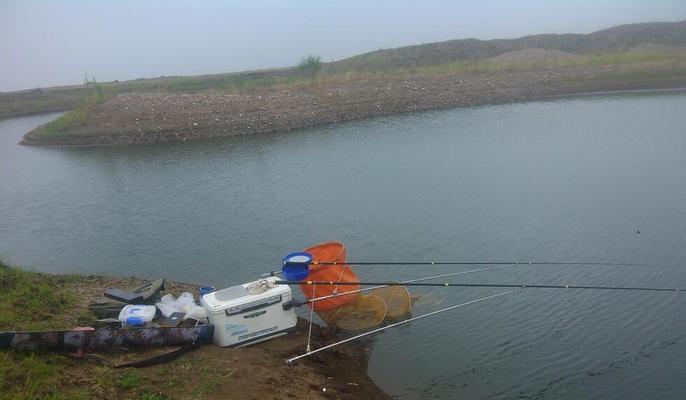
{"x": 138, "y": 118}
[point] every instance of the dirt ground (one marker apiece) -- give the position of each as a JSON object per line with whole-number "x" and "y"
{"x": 161, "y": 117}
{"x": 210, "y": 372}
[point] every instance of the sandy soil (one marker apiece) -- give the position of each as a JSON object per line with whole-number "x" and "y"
{"x": 149, "y": 117}
{"x": 211, "y": 372}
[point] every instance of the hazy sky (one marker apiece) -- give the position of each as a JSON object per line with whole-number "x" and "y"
{"x": 46, "y": 43}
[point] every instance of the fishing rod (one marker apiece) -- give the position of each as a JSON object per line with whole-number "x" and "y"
{"x": 491, "y": 285}
{"x": 428, "y": 278}
{"x": 516, "y": 289}
{"x": 418, "y": 282}
{"x": 512, "y": 263}
{"x": 383, "y": 328}
{"x": 407, "y": 263}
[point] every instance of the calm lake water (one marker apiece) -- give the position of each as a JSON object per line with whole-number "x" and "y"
{"x": 569, "y": 179}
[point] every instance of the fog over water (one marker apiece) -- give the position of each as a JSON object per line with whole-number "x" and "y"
{"x": 54, "y": 43}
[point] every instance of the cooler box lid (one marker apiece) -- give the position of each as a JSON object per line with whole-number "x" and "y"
{"x": 237, "y": 299}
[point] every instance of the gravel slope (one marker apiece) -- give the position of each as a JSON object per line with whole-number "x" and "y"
{"x": 149, "y": 117}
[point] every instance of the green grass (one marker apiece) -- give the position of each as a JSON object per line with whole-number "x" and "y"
{"x": 80, "y": 115}
{"x": 206, "y": 388}
{"x": 29, "y": 301}
{"x": 535, "y": 64}
{"x": 153, "y": 396}
{"x": 34, "y": 376}
{"x": 129, "y": 379}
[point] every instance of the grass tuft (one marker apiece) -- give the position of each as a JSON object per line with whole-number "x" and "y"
{"x": 80, "y": 115}
{"x": 129, "y": 380}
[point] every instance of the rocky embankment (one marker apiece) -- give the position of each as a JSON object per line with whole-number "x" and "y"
{"x": 160, "y": 117}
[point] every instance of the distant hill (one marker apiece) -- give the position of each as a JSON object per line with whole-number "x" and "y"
{"x": 615, "y": 39}
{"x": 656, "y": 42}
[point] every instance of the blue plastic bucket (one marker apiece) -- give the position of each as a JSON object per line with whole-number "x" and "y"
{"x": 206, "y": 290}
{"x": 296, "y": 266}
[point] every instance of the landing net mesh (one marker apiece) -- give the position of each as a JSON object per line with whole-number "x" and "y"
{"x": 357, "y": 311}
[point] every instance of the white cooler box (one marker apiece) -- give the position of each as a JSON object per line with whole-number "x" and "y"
{"x": 241, "y": 318}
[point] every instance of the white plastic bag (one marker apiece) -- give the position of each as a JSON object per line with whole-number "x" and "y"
{"x": 196, "y": 312}
{"x": 168, "y": 305}
{"x": 185, "y": 302}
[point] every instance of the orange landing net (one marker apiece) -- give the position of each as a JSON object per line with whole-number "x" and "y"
{"x": 327, "y": 253}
